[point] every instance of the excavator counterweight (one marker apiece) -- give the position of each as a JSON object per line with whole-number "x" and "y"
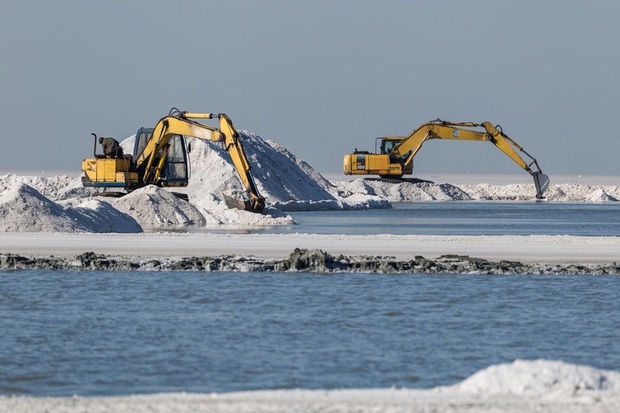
{"x": 394, "y": 155}
{"x": 160, "y": 157}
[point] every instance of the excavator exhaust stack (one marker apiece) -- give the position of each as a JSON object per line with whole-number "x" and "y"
{"x": 541, "y": 182}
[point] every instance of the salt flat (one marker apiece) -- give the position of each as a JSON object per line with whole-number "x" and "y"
{"x": 528, "y": 249}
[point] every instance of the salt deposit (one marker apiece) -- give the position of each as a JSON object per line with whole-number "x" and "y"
{"x": 24, "y": 209}
{"x": 600, "y": 195}
{"x": 539, "y": 378}
{"x": 520, "y": 386}
{"x": 561, "y": 192}
{"x": 399, "y": 191}
{"x": 60, "y": 203}
{"x": 152, "y": 206}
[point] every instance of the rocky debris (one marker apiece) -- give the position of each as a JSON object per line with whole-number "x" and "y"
{"x": 306, "y": 261}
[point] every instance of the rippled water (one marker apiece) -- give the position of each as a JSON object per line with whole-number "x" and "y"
{"x": 113, "y": 333}
{"x": 459, "y": 218}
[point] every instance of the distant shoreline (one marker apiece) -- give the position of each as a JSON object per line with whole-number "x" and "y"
{"x": 44, "y": 173}
{"x": 452, "y": 178}
{"x": 494, "y": 179}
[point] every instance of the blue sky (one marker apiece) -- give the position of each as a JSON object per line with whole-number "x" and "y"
{"x": 320, "y": 77}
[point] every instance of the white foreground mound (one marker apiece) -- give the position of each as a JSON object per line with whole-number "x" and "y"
{"x": 539, "y": 378}
{"x": 522, "y": 386}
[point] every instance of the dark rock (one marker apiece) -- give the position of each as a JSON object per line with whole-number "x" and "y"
{"x": 308, "y": 260}
{"x": 304, "y": 260}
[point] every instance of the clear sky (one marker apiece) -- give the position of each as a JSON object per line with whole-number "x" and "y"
{"x": 321, "y": 77}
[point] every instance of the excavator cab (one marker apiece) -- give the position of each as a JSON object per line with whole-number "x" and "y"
{"x": 385, "y": 145}
{"x": 176, "y": 170}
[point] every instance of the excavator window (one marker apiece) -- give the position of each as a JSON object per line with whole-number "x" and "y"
{"x": 142, "y": 137}
{"x": 176, "y": 162}
{"x": 386, "y": 146}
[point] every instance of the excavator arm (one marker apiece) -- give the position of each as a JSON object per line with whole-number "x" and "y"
{"x": 150, "y": 162}
{"x": 399, "y": 159}
{"x": 439, "y": 129}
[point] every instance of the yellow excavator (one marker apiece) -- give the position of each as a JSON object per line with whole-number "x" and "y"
{"x": 394, "y": 155}
{"x": 160, "y": 157}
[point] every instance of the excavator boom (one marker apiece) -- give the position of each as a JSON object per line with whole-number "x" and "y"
{"x": 396, "y": 154}
{"x": 160, "y": 157}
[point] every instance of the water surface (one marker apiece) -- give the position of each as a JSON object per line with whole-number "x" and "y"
{"x": 114, "y": 333}
{"x": 455, "y": 218}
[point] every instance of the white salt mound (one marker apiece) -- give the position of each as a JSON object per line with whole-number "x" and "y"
{"x": 283, "y": 176}
{"x": 152, "y": 206}
{"x": 538, "y": 378}
{"x": 285, "y": 181}
{"x": 24, "y": 209}
{"x": 52, "y": 187}
{"x": 555, "y": 192}
{"x": 600, "y": 195}
{"x": 100, "y": 217}
{"x": 399, "y": 191}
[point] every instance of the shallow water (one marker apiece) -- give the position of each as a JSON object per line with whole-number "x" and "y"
{"x": 455, "y": 218}
{"x": 471, "y": 218}
{"x": 114, "y": 333}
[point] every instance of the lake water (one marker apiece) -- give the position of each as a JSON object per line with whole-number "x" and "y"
{"x": 458, "y": 218}
{"x": 115, "y": 333}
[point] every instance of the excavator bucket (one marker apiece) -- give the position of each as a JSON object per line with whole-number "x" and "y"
{"x": 541, "y": 181}
{"x": 252, "y": 205}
